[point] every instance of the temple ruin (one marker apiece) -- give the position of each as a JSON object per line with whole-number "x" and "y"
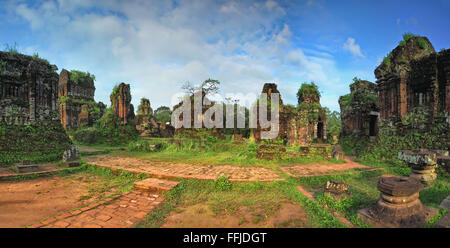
{"x": 301, "y": 125}
{"x": 359, "y": 109}
{"x": 413, "y": 75}
{"x": 28, "y": 104}
{"x": 28, "y": 89}
{"x": 196, "y": 118}
{"x": 121, "y": 103}
{"x": 77, "y": 106}
{"x": 146, "y": 123}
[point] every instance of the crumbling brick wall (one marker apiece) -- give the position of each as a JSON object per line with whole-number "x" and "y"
{"x": 413, "y": 75}
{"x": 72, "y": 96}
{"x": 28, "y": 89}
{"x": 146, "y": 123}
{"x": 297, "y": 126}
{"x": 359, "y": 109}
{"x": 121, "y": 103}
{"x": 29, "y": 118}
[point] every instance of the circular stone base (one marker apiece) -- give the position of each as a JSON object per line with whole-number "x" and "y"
{"x": 399, "y": 204}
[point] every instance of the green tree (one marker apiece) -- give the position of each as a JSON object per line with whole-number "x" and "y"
{"x": 334, "y": 123}
{"x": 163, "y": 114}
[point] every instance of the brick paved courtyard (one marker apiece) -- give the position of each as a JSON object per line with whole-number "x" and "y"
{"x": 188, "y": 171}
{"x": 121, "y": 212}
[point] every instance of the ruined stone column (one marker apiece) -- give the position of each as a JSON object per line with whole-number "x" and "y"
{"x": 423, "y": 164}
{"x": 399, "y": 204}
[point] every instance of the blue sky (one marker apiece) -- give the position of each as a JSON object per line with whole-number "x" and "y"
{"x": 157, "y": 45}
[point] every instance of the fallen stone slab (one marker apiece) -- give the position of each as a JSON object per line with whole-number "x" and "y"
{"x": 444, "y": 222}
{"x": 336, "y": 189}
{"x": 151, "y": 184}
{"x": 25, "y": 166}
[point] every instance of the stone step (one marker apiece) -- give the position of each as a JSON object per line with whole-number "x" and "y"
{"x": 445, "y": 203}
{"x": 151, "y": 184}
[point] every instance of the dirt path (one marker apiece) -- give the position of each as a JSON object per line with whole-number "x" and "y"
{"x": 24, "y": 202}
{"x": 181, "y": 170}
{"x": 320, "y": 169}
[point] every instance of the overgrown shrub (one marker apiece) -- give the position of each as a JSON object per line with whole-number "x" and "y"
{"x": 44, "y": 142}
{"x": 107, "y": 130}
{"x": 222, "y": 183}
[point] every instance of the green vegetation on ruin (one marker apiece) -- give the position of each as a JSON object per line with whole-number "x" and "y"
{"x": 421, "y": 43}
{"x": 107, "y": 130}
{"x": 81, "y": 78}
{"x": 44, "y": 142}
{"x": 361, "y": 98}
{"x": 11, "y": 49}
{"x": 308, "y": 90}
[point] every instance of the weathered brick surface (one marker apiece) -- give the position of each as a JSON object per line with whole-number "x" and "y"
{"x": 321, "y": 169}
{"x": 121, "y": 103}
{"x": 122, "y": 212}
{"x": 151, "y": 184}
{"x": 147, "y": 125}
{"x": 359, "y": 114}
{"x": 295, "y": 127}
{"x": 415, "y": 76}
{"x": 28, "y": 89}
{"x": 73, "y": 97}
{"x": 181, "y": 170}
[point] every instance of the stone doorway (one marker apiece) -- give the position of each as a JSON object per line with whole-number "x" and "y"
{"x": 373, "y": 125}
{"x": 320, "y": 131}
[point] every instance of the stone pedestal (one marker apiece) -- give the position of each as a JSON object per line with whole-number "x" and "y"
{"x": 423, "y": 164}
{"x": 399, "y": 204}
{"x": 70, "y": 157}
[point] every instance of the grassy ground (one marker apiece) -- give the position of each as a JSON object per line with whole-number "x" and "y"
{"x": 260, "y": 200}
{"x": 363, "y": 192}
{"x": 217, "y": 153}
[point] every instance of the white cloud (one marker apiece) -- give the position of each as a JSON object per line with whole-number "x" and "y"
{"x": 351, "y": 46}
{"x": 156, "y": 45}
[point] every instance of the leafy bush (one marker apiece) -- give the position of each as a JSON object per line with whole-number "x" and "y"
{"x": 222, "y": 183}
{"x": 82, "y": 78}
{"x": 85, "y": 135}
{"x": 107, "y": 130}
{"x": 163, "y": 114}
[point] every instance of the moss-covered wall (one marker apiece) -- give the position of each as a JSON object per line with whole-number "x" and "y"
{"x": 29, "y": 119}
